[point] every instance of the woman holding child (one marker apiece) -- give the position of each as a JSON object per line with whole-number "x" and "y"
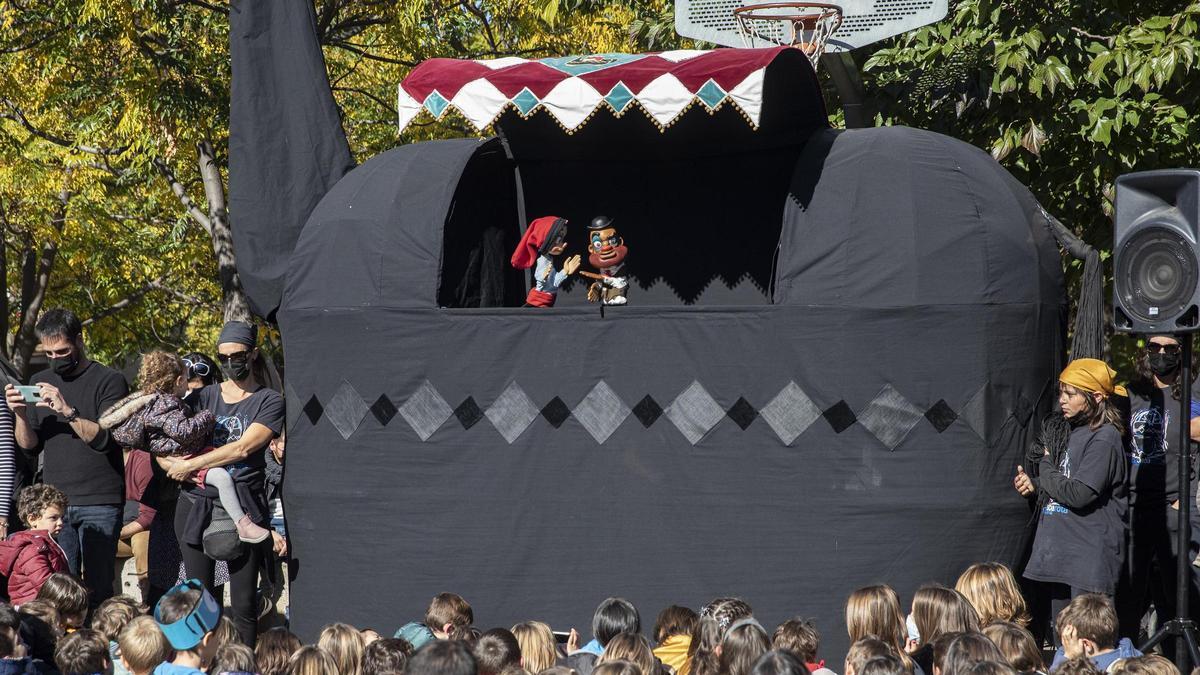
{"x": 248, "y": 416}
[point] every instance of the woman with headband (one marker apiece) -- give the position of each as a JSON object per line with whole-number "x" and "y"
{"x": 248, "y": 416}
{"x": 1080, "y": 540}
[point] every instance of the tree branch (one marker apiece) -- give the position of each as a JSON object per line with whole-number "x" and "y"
{"x": 124, "y": 302}
{"x": 18, "y": 116}
{"x": 1108, "y": 39}
{"x": 180, "y": 192}
{"x": 355, "y": 49}
{"x": 381, "y": 102}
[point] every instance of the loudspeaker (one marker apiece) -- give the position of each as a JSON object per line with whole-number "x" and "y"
{"x": 1156, "y": 252}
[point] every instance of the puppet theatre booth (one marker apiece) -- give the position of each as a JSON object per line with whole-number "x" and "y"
{"x": 835, "y": 348}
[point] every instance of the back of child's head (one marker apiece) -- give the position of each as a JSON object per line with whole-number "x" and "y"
{"x": 34, "y": 500}
{"x": 113, "y": 615}
{"x": 991, "y": 668}
{"x": 143, "y": 645}
{"x": 875, "y": 611}
{"x": 614, "y": 616}
{"x": 715, "y": 619}
{"x": 537, "y": 643}
{"x": 744, "y": 643}
{"x": 274, "y": 649}
{"x": 798, "y": 636}
{"x": 618, "y": 667}
{"x": 1077, "y": 666}
{"x": 226, "y": 632}
{"x": 779, "y": 662}
{"x": 386, "y": 656}
{"x": 234, "y": 657}
{"x": 993, "y": 591}
{"x": 160, "y": 373}
{"x": 1150, "y": 664}
{"x": 344, "y": 643}
{"x": 1017, "y": 645}
{"x": 191, "y": 619}
{"x": 10, "y": 630}
{"x": 311, "y": 661}
{"x": 864, "y": 650}
{"x": 496, "y": 650}
{"x": 443, "y": 657}
{"x": 1093, "y": 617}
{"x": 887, "y": 664}
{"x": 68, "y": 595}
{"x": 967, "y": 649}
{"x": 633, "y": 648}
{"x": 41, "y": 627}
{"x": 674, "y": 620}
{"x": 452, "y": 609}
{"x": 938, "y": 610}
{"x": 84, "y": 652}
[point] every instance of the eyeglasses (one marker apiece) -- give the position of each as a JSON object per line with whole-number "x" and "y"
{"x": 196, "y": 368}
{"x": 239, "y": 356}
{"x": 1155, "y": 348}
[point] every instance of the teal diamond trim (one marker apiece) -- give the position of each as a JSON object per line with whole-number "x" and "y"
{"x": 620, "y": 97}
{"x": 711, "y": 94}
{"x": 589, "y": 63}
{"x": 436, "y": 104}
{"x": 525, "y": 101}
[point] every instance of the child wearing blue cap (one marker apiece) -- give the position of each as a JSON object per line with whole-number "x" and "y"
{"x": 187, "y": 615}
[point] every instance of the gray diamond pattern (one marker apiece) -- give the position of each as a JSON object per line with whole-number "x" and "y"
{"x": 292, "y": 405}
{"x": 790, "y": 413}
{"x": 890, "y": 416}
{"x": 425, "y": 411}
{"x": 512, "y": 412}
{"x": 694, "y": 412}
{"x": 345, "y": 411}
{"x": 974, "y": 412}
{"x": 601, "y": 411}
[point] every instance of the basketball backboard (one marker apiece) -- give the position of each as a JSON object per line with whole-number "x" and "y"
{"x": 863, "y": 21}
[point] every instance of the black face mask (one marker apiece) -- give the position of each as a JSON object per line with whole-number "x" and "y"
{"x": 236, "y": 370}
{"x": 1163, "y": 364}
{"x": 64, "y": 365}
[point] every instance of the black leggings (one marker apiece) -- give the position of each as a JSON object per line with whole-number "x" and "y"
{"x": 243, "y": 574}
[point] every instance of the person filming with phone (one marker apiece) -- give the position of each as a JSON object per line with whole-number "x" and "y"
{"x": 81, "y": 459}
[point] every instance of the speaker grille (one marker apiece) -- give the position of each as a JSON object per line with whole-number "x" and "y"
{"x": 1156, "y": 274}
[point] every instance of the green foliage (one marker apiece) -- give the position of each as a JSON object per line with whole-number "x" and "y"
{"x": 1067, "y": 95}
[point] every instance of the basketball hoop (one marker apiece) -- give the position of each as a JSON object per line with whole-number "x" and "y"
{"x": 806, "y": 26}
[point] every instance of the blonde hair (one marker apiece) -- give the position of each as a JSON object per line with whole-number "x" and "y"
{"x": 633, "y": 648}
{"x": 143, "y": 645}
{"x": 537, "y": 645}
{"x": 113, "y": 615}
{"x": 159, "y": 372}
{"x": 993, "y": 592}
{"x": 938, "y": 610}
{"x": 874, "y": 611}
{"x": 311, "y": 661}
{"x": 344, "y": 643}
{"x": 1150, "y": 664}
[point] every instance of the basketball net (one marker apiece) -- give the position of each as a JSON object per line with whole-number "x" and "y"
{"x": 807, "y": 26}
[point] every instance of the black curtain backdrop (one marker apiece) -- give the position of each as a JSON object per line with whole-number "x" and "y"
{"x": 863, "y": 428}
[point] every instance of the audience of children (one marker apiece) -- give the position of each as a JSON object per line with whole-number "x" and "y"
{"x": 186, "y": 633}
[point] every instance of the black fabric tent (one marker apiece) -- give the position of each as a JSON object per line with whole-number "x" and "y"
{"x": 836, "y": 350}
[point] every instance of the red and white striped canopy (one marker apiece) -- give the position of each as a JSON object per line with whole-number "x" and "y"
{"x": 572, "y": 88}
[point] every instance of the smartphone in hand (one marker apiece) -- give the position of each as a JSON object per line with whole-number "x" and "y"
{"x": 32, "y": 393}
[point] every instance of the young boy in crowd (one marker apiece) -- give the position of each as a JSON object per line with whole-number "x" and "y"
{"x": 28, "y": 558}
{"x": 110, "y": 619}
{"x": 143, "y": 646}
{"x": 69, "y": 596}
{"x": 1087, "y": 628}
{"x": 12, "y": 653}
{"x": 800, "y": 637}
{"x": 41, "y": 629}
{"x": 448, "y": 616}
{"x": 84, "y": 652}
{"x": 188, "y": 615}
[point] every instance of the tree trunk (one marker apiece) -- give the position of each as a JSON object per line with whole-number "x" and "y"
{"x": 35, "y": 283}
{"x": 235, "y": 305}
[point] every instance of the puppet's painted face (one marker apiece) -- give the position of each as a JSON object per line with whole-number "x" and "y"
{"x": 559, "y": 244}
{"x": 607, "y": 249}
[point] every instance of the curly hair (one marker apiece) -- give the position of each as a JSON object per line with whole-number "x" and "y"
{"x": 35, "y": 499}
{"x": 159, "y": 372}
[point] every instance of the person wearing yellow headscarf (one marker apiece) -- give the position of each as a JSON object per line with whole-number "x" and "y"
{"x": 1080, "y": 540}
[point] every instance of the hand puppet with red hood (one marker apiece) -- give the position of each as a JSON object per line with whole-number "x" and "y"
{"x": 544, "y": 239}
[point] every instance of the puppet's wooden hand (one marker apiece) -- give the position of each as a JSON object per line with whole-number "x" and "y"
{"x": 594, "y": 292}
{"x": 571, "y": 264}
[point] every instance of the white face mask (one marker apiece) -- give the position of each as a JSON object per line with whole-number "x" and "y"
{"x": 911, "y": 623}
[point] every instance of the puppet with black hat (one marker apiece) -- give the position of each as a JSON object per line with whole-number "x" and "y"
{"x": 608, "y": 253}
{"x": 545, "y": 238}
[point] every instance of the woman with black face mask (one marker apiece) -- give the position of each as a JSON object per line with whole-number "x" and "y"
{"x": 1154, "y": 484}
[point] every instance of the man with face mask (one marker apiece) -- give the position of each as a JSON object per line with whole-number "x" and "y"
{"x": 1154, "y": 485}
{"x": 80, "y": 458}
